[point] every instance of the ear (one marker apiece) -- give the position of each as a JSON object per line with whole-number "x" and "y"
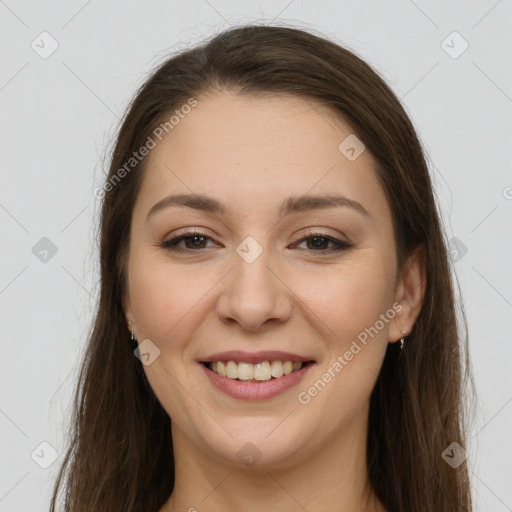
{"x": 410, "y": 293}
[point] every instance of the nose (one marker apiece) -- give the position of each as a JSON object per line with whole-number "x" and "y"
{"x": 254, "y": 295}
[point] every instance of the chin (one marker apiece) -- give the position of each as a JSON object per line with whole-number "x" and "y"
{"x": 256, "y": 442}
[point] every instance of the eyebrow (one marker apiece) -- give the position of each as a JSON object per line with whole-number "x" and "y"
{"x": 292, "y": 204}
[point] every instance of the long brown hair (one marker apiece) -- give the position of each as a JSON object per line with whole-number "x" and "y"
{"x": 120, "y": 456}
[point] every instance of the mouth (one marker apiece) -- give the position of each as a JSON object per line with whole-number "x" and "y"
{"x": 255, "y": 376}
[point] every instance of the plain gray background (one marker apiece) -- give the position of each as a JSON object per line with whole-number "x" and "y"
{"x": 60, "y": 113}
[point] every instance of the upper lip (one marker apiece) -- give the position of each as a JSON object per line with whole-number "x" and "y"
{"x": 255, "y": 357}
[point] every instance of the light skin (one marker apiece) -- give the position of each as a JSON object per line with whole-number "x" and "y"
{"x": 250, "y": 154}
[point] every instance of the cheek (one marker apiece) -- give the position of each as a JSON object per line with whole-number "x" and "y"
{"x": 166, "y": 299}
{"x": 351, "y": 301}
{"x": 346, "y": 305}
{"x": 348, "y": 298}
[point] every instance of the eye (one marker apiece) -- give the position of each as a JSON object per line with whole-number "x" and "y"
{"x": 193, "y": 240}
{"x": 318, "y": 242}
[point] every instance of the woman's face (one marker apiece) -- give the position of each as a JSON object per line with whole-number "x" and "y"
{"x": 275, "y": 277}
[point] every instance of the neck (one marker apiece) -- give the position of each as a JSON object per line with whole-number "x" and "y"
{"x": 332, "y": 477}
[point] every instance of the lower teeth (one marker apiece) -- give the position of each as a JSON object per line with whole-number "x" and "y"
{"x": 256, "y": 380}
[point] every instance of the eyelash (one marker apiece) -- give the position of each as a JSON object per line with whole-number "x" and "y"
{"x": 171, "y": 245}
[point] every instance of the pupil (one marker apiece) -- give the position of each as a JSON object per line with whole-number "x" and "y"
{"x": 196, "y": 238}
{"x": 317, "y": 241}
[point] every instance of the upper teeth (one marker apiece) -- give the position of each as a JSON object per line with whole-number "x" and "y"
{"x": 260, "y": 371}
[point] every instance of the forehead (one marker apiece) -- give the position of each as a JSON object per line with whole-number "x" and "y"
{"x": 255, "y": 150}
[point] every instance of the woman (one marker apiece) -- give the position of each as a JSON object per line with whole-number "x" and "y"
{"x": 271, "y": 245}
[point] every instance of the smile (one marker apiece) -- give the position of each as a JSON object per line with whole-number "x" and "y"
{"x": 255, "y": 376}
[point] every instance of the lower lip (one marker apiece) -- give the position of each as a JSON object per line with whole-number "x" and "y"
{"x": 247, "y": 390}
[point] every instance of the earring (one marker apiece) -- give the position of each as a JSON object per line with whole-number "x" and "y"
{"x": 133, "y": 339}
{"x": 402, "y": 340}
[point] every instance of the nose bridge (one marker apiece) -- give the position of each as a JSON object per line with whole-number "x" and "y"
{"x": 252, "y": 293}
